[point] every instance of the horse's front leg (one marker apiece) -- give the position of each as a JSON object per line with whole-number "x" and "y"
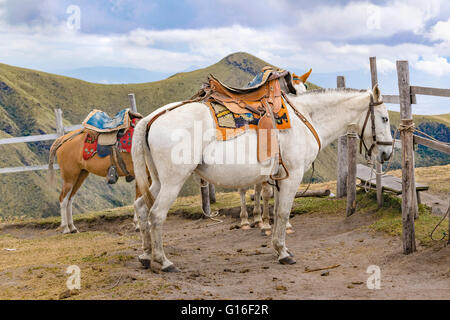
{"x": 284, "y": 201}
{"x": 245, "y": 224}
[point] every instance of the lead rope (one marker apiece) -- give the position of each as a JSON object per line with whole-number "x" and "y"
{"x": 444, "y": 233}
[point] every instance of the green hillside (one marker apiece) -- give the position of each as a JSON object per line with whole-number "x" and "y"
{"x": 27, "y": 102}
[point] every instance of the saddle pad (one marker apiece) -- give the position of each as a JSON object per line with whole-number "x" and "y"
{"x": 103, "y": 151}
{"x": 90, "y": 145}
{"x": 230, "y": 125}
{"x": 125, "y": 140}
{"x": 100, "y": 121}
{"x": 107, "y": 139}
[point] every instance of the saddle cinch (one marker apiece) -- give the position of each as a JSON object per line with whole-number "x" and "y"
{"x": 263, "y": 97}
{"x": 106, "y": 136}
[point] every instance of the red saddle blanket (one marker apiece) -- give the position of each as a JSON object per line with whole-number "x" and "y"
{"x": 91, "y": 142}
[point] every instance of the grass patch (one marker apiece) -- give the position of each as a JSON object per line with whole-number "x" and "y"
{"x": 390, "y": 221}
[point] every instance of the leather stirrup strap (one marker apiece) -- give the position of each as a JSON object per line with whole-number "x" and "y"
{"x": 305, "y": 121}
{"x": 117, "y": 158}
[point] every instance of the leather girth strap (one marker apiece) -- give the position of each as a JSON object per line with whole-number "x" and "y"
{"x": 304, "y": 120}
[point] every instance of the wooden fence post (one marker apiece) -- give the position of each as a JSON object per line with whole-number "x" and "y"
{"x": 132, "y": 99}
{"x": 59, "y": 122}
{"x": 342, "y": 164}
{"x": 374, "y": 78}
{"x": 212, "y": 193}
{"x": 204, "y": 190}
{"x": 408, "y": 182}
{"x": 351, "y": 178}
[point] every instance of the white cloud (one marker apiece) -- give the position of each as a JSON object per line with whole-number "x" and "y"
{"x": 441, "y": 31}
{"x": 364, "y": 19}
{"x": 437, "y": 66}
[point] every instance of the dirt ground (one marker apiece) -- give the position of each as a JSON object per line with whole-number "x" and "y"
{"x": 218, "y": 261}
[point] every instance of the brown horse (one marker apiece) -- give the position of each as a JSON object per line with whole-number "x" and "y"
{"x": 74, "y": 170}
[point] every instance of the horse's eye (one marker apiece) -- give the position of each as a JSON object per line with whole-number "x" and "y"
{"x": 385, "y": 119}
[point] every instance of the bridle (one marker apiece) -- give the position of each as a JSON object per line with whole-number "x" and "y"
{"x": 371, "y": 113}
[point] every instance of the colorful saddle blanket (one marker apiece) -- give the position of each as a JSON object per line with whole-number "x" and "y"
{"x": 91, "y": 146}
{"x": 100, "y": 121}
{"x": 230, "y": 125}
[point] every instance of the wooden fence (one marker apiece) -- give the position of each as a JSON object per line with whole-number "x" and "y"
{"x": 347, "y": 156}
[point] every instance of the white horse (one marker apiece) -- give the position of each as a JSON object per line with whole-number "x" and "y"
{"x": 330, "y": 111}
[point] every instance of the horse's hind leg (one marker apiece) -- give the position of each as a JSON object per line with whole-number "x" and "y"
{"x": 82, "y": 176}
{"x": 245, "y": 224}
{"x": 266, "y": 194}
{"x": 158, "y": 214}
{"x": 257, "y": 219}
{"x": 64, "y": 202}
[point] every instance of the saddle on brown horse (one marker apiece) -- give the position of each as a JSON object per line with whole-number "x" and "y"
{"x": 109, "y": 137}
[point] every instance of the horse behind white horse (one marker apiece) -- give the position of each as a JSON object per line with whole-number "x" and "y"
{"x": 330, "y": 111}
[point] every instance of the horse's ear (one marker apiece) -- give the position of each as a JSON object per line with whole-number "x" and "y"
{"x": 376, "y": 93}
{"x": 304, "y": 77}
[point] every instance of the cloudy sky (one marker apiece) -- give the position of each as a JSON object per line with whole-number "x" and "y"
{"x": 161, "y": 37}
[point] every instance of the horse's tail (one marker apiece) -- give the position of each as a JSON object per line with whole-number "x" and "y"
{"x": 139, "y": 151}
{"x": 54, "y": 147}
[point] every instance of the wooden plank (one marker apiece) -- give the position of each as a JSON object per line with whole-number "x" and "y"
{"x": 59, "y": 122}
{"x": 28, "y": 168}
{"x": 442, "y": 147}
{"x": 351, "y": 178}
{"x": 132, "y": 99}
{"x": 387, "y": 98}
{"x": 409, "y": 201}
{"x": 388, "y": 182}
{"x": 340, "y": 81}
{"x": 73, "y": 127}
{"x": 430, "y": 91}
{"x": 40, "y": 137}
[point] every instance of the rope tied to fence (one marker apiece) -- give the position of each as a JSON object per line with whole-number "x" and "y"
{"x": 407, "y": 127}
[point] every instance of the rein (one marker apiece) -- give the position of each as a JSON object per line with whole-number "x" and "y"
{"x": 371, "y": 113}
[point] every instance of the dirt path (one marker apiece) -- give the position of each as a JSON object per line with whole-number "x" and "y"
{"x": 220, "y": 263}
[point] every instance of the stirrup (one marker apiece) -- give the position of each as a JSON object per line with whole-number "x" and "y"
{"x": 112, "y": 175}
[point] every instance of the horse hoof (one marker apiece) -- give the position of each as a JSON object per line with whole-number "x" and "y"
{"x": 245, "y": 227}
{"x": 266, "y": 232}
{"x": 74, "y": 231}
{"x": 258, "y": 225}
{"x": 170, "y": 268}
{"x": 66, "y": 231}
{"x": 290, "y": 230}
{"x": 137, "y": 230}
{"x": 287, "y": 260}
{"x": 145, "y": 263}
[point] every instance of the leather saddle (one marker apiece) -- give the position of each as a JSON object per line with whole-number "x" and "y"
{"x": 263, "y": 96}
{"x": 108, "y": 131}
